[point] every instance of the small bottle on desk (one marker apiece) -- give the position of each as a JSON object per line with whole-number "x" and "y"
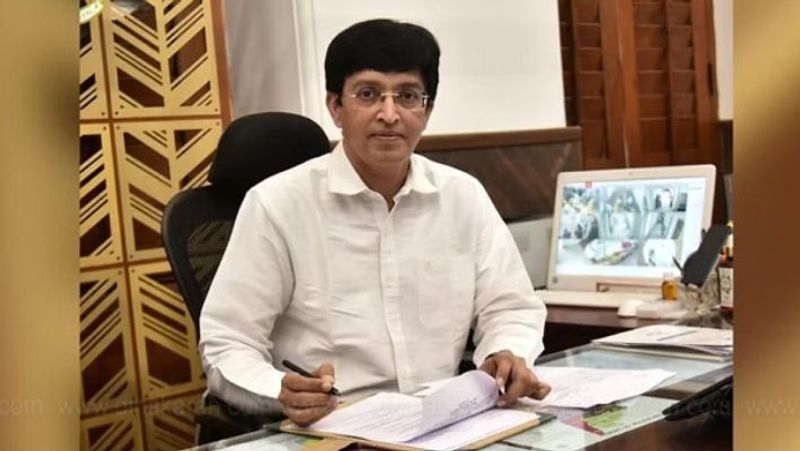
{"x": 669, "y": 287}
{"x": 725, "y": 269}
{"x": 725, "y": 273}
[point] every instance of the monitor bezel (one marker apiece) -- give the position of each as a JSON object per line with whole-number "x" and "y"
{"x": 592, "y": 283}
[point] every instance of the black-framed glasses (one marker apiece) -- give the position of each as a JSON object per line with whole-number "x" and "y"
{"x": 407, "y": 98}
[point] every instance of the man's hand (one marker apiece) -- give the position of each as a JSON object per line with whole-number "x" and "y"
{"x": 307, "y": 399}
{"x": 513, "y": 374}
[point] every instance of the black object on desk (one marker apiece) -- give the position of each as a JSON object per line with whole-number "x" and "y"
{"x": 716, "y": 399}
{"x": 699, "y": 265}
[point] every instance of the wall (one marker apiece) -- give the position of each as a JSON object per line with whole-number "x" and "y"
{"x": 723, "y": 35}
{"x": 500, "y": 67}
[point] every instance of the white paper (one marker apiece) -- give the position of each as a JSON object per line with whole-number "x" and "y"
{"x": 391, "y": 417}
{"x": 582, "y": 388}
{"x": 465, "y": 403}
{"x": 472, "y": 429}
{"x": 430, "y": 387}
{"x": 673, "y": 335}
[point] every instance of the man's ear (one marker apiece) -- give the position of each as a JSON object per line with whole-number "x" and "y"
{"x": 334, "y": 103}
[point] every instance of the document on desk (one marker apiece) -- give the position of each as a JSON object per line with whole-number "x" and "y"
{"x": 459, "y": 413}
{"x": 582, "y": 388}
{"x": 700, "y": 339}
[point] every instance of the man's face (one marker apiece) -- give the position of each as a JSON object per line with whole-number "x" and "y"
{"x": 381, "y": 136}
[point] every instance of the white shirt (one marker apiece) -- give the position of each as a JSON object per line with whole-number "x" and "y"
{"x": 318, "y": 270}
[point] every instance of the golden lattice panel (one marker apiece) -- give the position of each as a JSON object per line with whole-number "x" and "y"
{"x": 170, "y": 424}
{"x": 100, "y": 232}
{"x": 166, "y": 342}
{"x": 118, "y": 431}
{"x": 155, "y": 161}
{"x": 107, "y": 366}
{"x": 92, "y": 100}
{"x": 161, "y": 60}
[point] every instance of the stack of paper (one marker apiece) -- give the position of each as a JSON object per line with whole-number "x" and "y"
{"x": 460, "y": 413}
{"x": 582, "y": 388}
{"x": 665, "y": 336}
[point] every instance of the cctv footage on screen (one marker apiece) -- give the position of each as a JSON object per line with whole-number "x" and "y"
{"x": 630, "y": 228}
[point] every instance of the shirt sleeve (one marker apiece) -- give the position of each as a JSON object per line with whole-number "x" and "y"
{"x": 252, "y": 286}
{"x": 509, "y": 315}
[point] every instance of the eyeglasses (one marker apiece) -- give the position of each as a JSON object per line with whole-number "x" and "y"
{"x": 407, "y": 98}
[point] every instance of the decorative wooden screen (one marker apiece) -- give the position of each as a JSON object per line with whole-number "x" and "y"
{"x": 152, "y": 110}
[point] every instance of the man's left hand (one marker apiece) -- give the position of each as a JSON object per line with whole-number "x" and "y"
{"x": 513, "y": 374}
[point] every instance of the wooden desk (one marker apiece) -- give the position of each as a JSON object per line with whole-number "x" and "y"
{"x": 568, "y": 327}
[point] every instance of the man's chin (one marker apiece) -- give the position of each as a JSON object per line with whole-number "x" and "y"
{"x": 390, "y": 147}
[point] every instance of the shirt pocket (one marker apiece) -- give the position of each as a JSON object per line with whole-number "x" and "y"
{"x": 445, "y": 295}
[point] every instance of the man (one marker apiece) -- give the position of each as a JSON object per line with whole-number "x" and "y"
{"x": 369, "y": 263}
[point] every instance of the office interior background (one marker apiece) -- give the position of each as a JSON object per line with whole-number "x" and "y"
{"x": 528, "y": 89}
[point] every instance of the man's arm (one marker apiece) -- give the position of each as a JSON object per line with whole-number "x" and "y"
{"x": 510, "y": 317}
{"x": 251, "y": 288}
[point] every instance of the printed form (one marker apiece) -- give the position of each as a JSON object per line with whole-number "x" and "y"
{"x": 458, "y": 413}
{"x": 582, "y": 388}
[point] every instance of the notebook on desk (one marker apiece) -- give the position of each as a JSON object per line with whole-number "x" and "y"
{"x": 617, "y": 232}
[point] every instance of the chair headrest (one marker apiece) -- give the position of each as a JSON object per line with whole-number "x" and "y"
{"x": 257, "y": 146}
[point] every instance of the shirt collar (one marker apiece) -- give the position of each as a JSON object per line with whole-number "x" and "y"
{"x": 418, "y": 179}
{"x": 343, "y": 178}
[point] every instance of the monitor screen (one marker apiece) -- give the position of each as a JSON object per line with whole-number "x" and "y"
{"x": 629, "y": 224}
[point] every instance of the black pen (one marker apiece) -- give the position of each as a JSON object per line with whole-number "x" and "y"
{"x": 333, "y": 391}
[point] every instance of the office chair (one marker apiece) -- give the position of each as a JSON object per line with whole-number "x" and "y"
{"x": 197, "y": 222}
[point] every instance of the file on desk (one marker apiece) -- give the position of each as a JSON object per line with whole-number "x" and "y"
{"x": 698, "y": 339}
{"x": 459, "y": 415}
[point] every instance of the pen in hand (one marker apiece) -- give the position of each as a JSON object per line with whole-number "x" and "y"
{"x": 333, "y": 391}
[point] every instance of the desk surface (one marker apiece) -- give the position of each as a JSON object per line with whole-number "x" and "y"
{"x": 698, "y": 433}
{"x": 594, "y": 317}
{"x": 568, "y": 327}
{"x": 580, "y": 325}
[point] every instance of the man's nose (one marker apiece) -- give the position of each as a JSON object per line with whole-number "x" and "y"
{"x": 388, "y": 111}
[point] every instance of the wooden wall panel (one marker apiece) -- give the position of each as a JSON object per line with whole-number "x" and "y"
{"x": 107, "y": 359}
{"x": 518, "y": 169}
{"x": 118, "y": 431}
{"x": 156, "y": 160}
{"x": 93, "y": 90}
{"x": 162, "y": 60}
{"x": 100, "y": 233}
{"x": 151, "y": 115}
{"x": 170, "y": 424}
{"x": 165, "y": 335}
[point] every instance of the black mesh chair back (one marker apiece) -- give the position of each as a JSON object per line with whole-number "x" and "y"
{"x": 197, "y": 222}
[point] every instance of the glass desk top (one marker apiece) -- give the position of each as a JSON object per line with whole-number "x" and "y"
{"x": 569, "y": 430}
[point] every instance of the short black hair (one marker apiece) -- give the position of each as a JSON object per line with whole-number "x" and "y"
{"x": 383, "y": 45}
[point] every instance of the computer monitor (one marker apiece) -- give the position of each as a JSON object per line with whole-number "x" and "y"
{"x": 627, "y": 226}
